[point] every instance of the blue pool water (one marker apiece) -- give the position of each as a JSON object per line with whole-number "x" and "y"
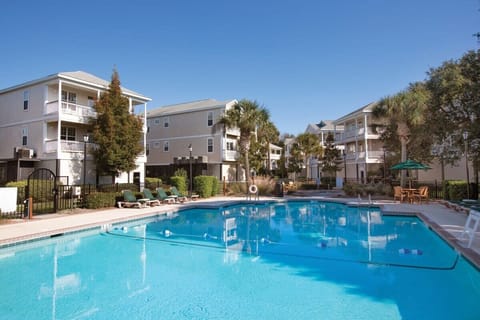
{"x": 291, "y": 260}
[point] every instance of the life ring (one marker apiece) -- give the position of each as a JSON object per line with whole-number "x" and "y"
{"x": 253, "y": 189}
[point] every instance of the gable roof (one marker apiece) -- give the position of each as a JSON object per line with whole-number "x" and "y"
{"x": 190, "y": 106}
{"x": 79, "y": 77}
{"x": 365, "y": 109}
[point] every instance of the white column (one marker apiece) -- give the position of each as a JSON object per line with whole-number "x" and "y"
{"x": 59, "y": 128}
{"x": 365, "y": 135}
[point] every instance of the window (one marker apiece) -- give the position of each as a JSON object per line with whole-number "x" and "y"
{"x": 166, "y": 146}
{"x": 24, "y": 136}
{"x": 230, "y": 146}
{"x": 209, "y": 145}
{"x": 91, "y": 102}
{"x": 166, "y": 122}
{"x": 156, "y": 122}
{"x": 71, "y": 99}
{"x": 147, "y": 149}
{"x": 156, "y": 145}
{"x": 210, "y": 119}
{"x": 67, "y": 133}
{"x": 26, "y": 98}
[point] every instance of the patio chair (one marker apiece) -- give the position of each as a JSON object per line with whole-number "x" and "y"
{"x": 180, "y": 196}
{"x": 421, "y": 195}
{"x": 129, "y": 200}
{"x": 471, "y": 226}
{"x": 163, "y": 197}
{"x": 152, "y": 201}
{"x": 399, "y": 194}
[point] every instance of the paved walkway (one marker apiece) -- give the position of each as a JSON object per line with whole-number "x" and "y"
{"x": 446, "y": 221}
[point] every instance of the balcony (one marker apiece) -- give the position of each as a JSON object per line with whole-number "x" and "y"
{"x": 67, "y": 146}
{"x": 230, "y": 155}
{"x": 71, "y": 112}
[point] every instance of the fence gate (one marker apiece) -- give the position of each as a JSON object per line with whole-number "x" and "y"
{"x": 42, "y": 189}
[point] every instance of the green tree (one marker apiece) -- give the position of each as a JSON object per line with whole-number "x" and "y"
{"x": 116, "y": 132}
{"x": 309, "y": 146}
{"x": 404, "y": 112}
{"x": 295, "y": 160}
{"x": 267, "y": 134}
{"x": 246, "y": 116}
{"x": 455, "y": 108}
{"x": 331, "y": 159}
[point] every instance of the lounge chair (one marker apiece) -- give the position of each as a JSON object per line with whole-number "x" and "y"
{"x": 180, "y": 196}
{"x": 129, "y": 200}
{"x": 471, "y": 226}
{"x": 399, "y": 194}
{"x": 163, "y": 197}
{"x": 152, "y": 201}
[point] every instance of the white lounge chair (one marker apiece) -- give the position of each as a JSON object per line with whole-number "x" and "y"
{"x": 471, "y": 226}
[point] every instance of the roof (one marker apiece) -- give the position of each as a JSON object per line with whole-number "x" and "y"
{"x": 365, "y": 109}
{"x": 326, "y": 125}
{"x": 80, "y": 77}
{"x": 190, "y": 106}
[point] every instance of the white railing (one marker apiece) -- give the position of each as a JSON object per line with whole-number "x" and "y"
{"x": 230, "y": 155}
{"x": 72, "y": 110}
{"x": 66, "y": 146}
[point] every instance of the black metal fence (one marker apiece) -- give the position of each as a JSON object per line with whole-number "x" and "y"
{"x": 68, "y": 197}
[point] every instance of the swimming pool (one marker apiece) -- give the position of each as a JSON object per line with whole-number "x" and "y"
{"x": 287, "y": 260}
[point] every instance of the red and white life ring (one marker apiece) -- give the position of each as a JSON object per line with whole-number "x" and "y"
{"x": 253, "y": 189}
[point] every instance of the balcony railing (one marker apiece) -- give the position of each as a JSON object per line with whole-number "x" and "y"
{"x": 230, "y": 155}
{"x": 71, "y": 111}
{"x": 67, "y": 146}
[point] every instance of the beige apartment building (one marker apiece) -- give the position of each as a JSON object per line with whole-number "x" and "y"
{"x": 187, "y": 134}
{"x": 363, "y": 153}
{"x": 44, "y": 124}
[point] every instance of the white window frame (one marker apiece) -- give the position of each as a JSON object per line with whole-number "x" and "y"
{"x": 166, "y": 146}
{"x": 26, "y": 100}
{"x": 156, "y": 145}
{"x": 210, "y": 145}
{"x": 24, "y": 136}
{"x": 166, "y": 122}
{"x": 156, "y": 121}
{"x": 210, "y": 118}
{"x": 68, "y": 133}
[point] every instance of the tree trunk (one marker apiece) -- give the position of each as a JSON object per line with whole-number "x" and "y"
{"x": 403, "y": 173}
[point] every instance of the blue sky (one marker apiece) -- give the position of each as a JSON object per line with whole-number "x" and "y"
{"x": 305, "y": 61}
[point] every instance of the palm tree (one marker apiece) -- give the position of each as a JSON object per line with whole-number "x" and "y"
{"x": 404, "y": 111}
{"x": 267, "y": 133}
{"x": 308, "y": 145}
{"x": 246, "y": 116}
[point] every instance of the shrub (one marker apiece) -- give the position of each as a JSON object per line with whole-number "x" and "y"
{"x": 102, "y": 200}
{"x": 180, "y": 182}
{"x": 152, "y": 183}
{"x": 206, "y": 186}
{"x": 455, "y": 190}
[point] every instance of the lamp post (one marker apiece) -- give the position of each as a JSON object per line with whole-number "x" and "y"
{"x": 190, "y": 149}
{"x": 85, "y": 141}
{"x": 465, "y": 137}
{"x": 384, "y": 149}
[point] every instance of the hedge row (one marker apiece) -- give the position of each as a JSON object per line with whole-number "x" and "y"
{"x": 206, "y": 186}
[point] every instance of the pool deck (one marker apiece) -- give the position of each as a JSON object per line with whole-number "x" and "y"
{"x": 449, "y": 223}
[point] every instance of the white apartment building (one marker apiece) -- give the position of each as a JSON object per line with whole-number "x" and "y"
{"x": 177, "y": 131}
{"x": 322, "y": 130}
{"x": 363, "y": 152}
{"x": 44, "y": 124}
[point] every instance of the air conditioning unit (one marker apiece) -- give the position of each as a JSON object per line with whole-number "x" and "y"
{"x": 25, "y": 153}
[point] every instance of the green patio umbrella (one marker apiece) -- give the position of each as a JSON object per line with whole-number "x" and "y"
{"x": 410, "y": 164}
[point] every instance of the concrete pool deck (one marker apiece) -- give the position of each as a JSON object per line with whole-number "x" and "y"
{"x": 448, "y": 222}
